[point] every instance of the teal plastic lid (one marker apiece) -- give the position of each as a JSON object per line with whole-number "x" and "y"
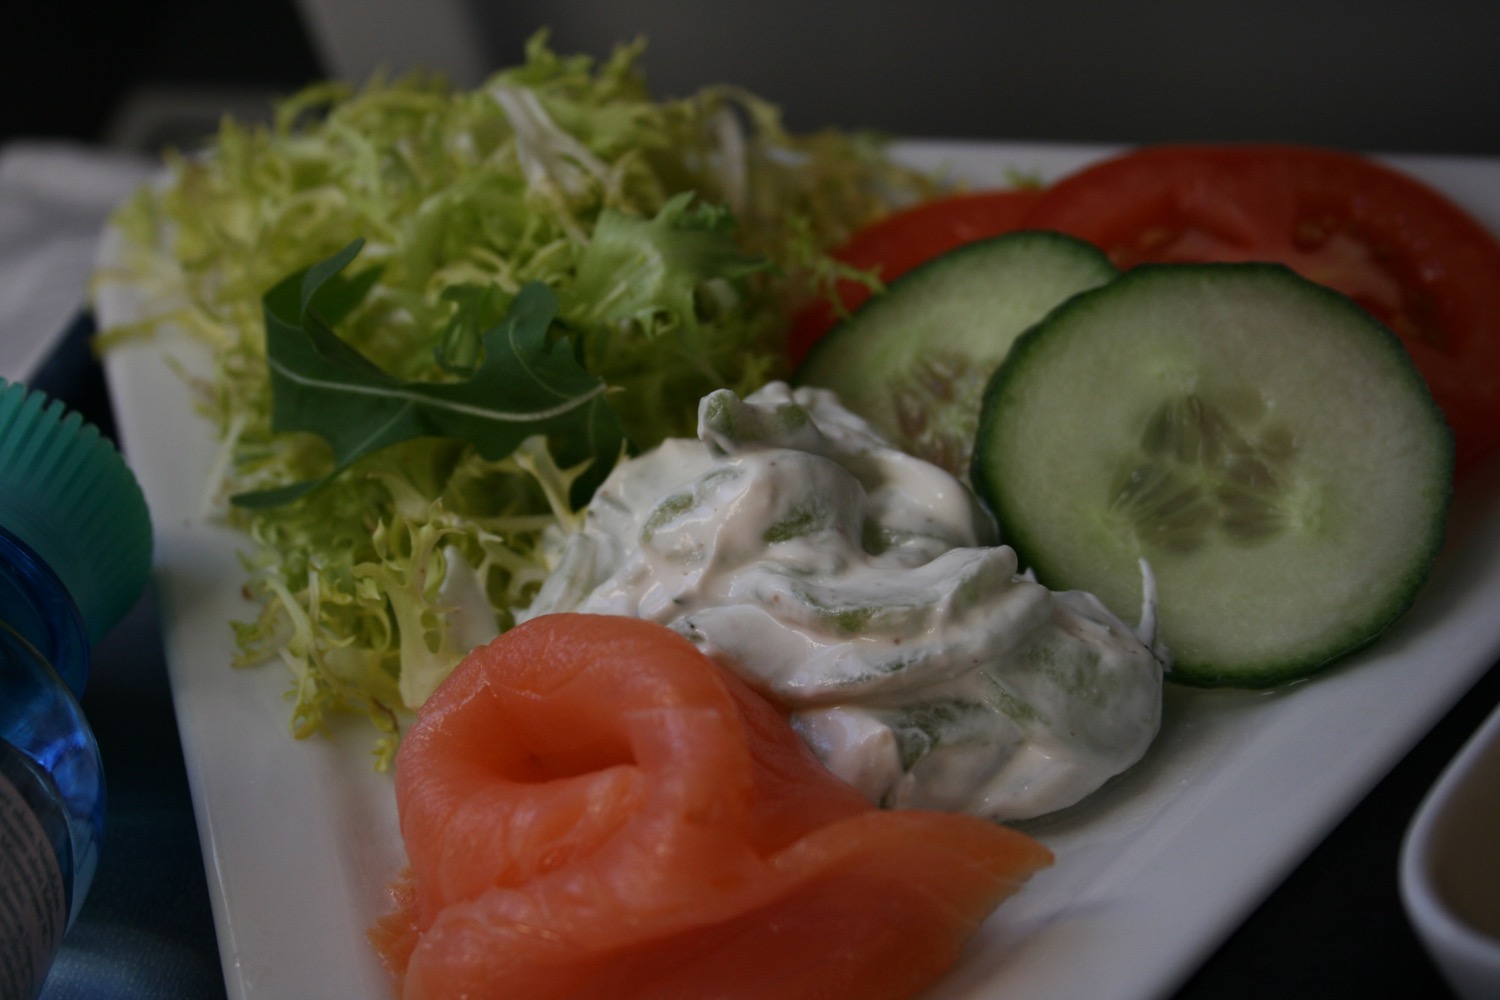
{"x": 67, "y": 493}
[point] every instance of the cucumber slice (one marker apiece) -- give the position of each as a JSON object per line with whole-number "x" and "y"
{"x": 1259, "y": 439}
{"x": 914, "y": 360}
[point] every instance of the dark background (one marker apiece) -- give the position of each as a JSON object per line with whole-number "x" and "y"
{"x": 1389, "y": 75}
{"x": 68, "y": 66}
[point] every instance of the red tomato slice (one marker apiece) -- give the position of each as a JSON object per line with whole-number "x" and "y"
{"x": 899, "y": 242}
{"x": 1408, "y": 254}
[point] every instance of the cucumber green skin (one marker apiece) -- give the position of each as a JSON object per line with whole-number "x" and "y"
{"x": 1374, "y": 468}
{"x": 967, "y": 305}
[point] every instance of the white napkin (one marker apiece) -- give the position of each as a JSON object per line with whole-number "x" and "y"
{"x": 54, "y": 198}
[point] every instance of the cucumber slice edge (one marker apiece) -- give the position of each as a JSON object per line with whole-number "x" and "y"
{"x": 1428, "y": 506}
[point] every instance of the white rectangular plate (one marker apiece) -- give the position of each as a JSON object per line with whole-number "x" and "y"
{"x": 300, "y": 838}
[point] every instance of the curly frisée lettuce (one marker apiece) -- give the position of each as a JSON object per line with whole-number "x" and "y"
{"x": 672, "y": 235}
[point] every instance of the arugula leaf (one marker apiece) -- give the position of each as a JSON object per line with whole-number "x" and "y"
{"x": 527, "y": 383}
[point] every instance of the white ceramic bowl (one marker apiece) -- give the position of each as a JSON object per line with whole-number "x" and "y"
{"x": 1450, "y": 867}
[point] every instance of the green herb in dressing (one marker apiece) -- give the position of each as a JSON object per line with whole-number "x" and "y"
{"x": 925, "y": 669}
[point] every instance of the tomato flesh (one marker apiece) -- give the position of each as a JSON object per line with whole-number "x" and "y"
{"x": 899, "y": 242}
{"x": 1414, "y": 259}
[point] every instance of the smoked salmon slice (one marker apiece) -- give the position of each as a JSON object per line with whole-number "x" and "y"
{"x": 592, "y": 808}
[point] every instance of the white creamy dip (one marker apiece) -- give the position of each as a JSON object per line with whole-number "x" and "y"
{"x": 866, "y": 591}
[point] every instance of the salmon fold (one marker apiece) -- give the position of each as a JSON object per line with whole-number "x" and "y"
{"x": 593, "y": 808}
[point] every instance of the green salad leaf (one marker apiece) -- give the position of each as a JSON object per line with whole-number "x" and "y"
{"x": 649, "y": 272}
{"x": 675, "y": 236}
{"x": 527, "y": 383}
